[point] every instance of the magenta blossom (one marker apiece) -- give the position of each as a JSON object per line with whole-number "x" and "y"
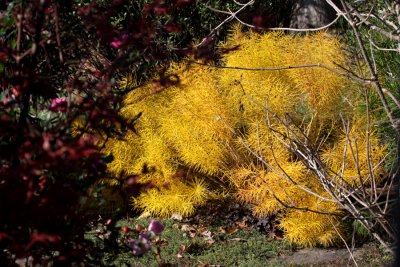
{"x": 156, "y": 227}
{"x": 145, "y": 237}
{"x": 58, "y": 104}
{"x": 118, "y": 42}
{"x": 139, "y": 248}
{"x": 141, "y": 245}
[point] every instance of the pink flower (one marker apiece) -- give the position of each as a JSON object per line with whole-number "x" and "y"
{"x": 156, "y": 227}
{"x": 58, "y": 104}
{"x": 6, "y": 100}
{"x": 118, "y": 42}
{"x": 141, "y": 245}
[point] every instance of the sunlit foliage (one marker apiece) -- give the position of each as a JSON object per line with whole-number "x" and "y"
{"x": 228, "y": 123}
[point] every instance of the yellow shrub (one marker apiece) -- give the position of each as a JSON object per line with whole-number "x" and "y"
{"x": 270, "y": 189}
{"x": 225, "y": 123}
{"x": 361, "y": 154}
{"x": 191, "y": 124}
{"x": 176, "y": 197}
{"x": 309, "y": 228}
{"x": 321, "y": 86}
{"x": 248, "y": 90}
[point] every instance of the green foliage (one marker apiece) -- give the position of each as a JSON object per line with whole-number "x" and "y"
{"x": 198, "y": 127}
{"x": 241, "y": 248}
{"x": 385, "y": 63}
{"x": 359, "y": 229}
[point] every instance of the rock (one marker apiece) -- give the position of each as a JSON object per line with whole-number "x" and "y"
{"x": 310, "y": 14}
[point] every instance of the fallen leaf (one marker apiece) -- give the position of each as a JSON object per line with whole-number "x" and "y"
{"x": 192, "y": 235}
{"x": 201, "y": 228}
{"x": 144, "y": 215}
{"x": 176, "y": 216}
{"x": 242, "y": 225}
{"x": 207, "y": 234}
{"x": 208, "y": 237}
{"x": 275, "y": 235}
{"x": 163, "y": 243}
{"x": 187, "y": 227}
{"x": 139, "y": 228}
{"x": 231, "y": 230}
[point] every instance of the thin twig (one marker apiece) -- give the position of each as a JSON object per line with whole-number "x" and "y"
{"x": 390, "y": 35}
{"x": 305, "y": 30}
{"x": 57, "y": 30}
{"x": 397, "y": 50}
{"x": 394, "y": 99}
{"x": 316, "y": 65}
{"x": 344, "y": 242}
{"x": 270, "y": 166}
{"x": 231, "y": 17}
{"x": 375, "y": 80}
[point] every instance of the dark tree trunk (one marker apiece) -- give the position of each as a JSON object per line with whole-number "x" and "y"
{"x": 311, "y": 14}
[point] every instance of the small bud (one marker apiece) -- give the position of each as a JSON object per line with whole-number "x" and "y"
{"x": 156, "y": 227}
{"x": 125, "y": 229}
{"x": 58, "y": 104}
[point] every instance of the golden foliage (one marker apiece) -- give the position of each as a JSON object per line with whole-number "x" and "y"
{"x": 191, "y": 123}
{"x": 201, "y": 124}
{"x": 244, "y": 87}
{"x": 322, "y": 87}
{"x": 272, "y": 188}
{"x": 177, "y": 197}
{"x": 310, "y": 228}
{"x": 362, "y": 152}
{"x": 128, "y": 81}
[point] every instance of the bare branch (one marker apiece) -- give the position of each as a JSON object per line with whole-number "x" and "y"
{"x": 316, "y": 65}
{"x": 397, "y": 50}
{"x": 344, "y": 242}
{"x": 306, "y": 30}
{"x": 231, "y": 17}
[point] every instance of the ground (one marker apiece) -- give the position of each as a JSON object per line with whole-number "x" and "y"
{"x": 368, "y": 255}
{"x": 225, "y": 233}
